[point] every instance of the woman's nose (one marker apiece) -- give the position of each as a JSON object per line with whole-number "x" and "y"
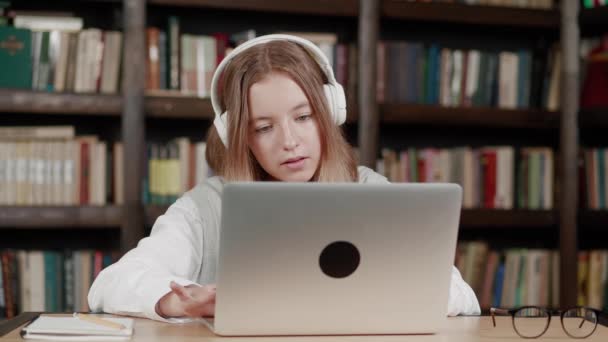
{"x": 290, "y": 140}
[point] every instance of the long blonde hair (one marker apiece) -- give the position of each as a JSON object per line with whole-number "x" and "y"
{"x": 237, "y": 163}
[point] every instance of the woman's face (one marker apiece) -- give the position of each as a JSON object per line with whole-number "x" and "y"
{"x": 283, "y": 133}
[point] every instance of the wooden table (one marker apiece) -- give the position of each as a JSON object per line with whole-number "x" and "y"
{"x": 456, "y": 329}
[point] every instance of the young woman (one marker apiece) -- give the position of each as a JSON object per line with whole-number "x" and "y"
{"x": 281, "y": 123}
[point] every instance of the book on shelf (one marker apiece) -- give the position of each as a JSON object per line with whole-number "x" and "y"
{"x": 487, "y": 175}
{"x": 183, "y": 62}
{"x": 514, "y": 277}
{"x": 48, "y": 280}
{"x": 56, "y": 53}
{"x": 50, "y": 165}
{"x": 172, "y": 169}
{"x": 411, "y": 72}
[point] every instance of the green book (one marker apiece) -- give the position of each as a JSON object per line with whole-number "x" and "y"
{"x": 15, "y": 58}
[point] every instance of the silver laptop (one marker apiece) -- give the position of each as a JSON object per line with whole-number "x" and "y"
{"x": 333, "y": 259}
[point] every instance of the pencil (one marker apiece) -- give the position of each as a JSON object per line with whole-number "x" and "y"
{"x": 100, "y": 321}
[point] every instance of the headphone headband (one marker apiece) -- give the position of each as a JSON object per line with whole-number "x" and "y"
{"x": 314, "y": 51}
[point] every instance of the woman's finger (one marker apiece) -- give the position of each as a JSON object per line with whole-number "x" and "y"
{"x": 180, "y": 291}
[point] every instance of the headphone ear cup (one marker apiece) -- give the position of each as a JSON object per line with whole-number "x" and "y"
{"x": 336, "y": 101}
{"x": 221, "y": 126}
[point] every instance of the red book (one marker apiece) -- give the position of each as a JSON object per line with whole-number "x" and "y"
{"x": 489, "y": 180}
{"x": 84, "y": 172}
{"x": 97, "y": 263}
{"x": 595, "y": 86}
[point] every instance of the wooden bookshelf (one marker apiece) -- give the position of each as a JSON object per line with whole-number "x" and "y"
{"x": 479, "y": 116}
{"x": 470, "y": 218}
{"x": 73, "y": 217}
{"x": 496, "y": 218}
{"x": 473, "y": 15}
{"x": 593, "y": 117}
{"x": 348, "y": 8}
{"x": 28, "y": 101}
{"x": 152, "y": 212}
{"x": 593, "y": 218}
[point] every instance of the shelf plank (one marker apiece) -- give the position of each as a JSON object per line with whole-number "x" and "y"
{"x": 77, "y": 217}
{"x": 28, "y": 101}
{"x": 495, "y": 218}
{"x": 473, "y": 15}
{"x": 593, "y": 117}
{"x": 470, "y": 218}
{"x": 462, "y": 116}
{"x": 152, "y": 212}
{"x": 346, "y": 8}
{"x": 593, "y": 218}
{"x": 182, "y": 107}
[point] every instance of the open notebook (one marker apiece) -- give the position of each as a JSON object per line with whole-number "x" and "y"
{"x": 66, "y": 328}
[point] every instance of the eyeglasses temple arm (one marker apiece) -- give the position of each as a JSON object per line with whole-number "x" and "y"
{"x": 494, "y": 311}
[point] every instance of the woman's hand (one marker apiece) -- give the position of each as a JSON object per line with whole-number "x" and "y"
{"x": 189, "y": 301}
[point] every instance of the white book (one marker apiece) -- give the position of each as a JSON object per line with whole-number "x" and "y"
{"x": 24, "y": 281}
{"x": 11, "y": 173}
{"x": 111, "y": 62}
{"x": 504, "y": 177}
{"x": 102, "y": 155}
{"x": 118, "y": 173}
{"x": 61, "y": 62}
{"x": 37, "y": 291}
{"x": 3, "y": 172}
{"x": 48, "y": 23}
{"x": 472, "y": 75}
{"x": 201, "y": 89}
{"x": 456, "y": 81}
{"x": 507, "y": 78}
{"x": 445, "y": 77}
{"x": 81, "y": 68}
{"x": 548, "y": 180}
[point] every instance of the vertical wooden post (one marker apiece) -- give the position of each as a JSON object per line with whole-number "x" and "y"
{"x": 133, "y": 123}
{"x": 568, "y": 201}
{"x": 369, "y": 14}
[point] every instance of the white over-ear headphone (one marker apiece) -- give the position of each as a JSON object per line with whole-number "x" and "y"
{"x": 333, "y": 90}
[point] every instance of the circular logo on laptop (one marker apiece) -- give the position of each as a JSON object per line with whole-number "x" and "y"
{"x": 339, "y": 259}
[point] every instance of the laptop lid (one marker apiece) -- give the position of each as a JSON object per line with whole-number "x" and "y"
{"x": 319, "y": 259}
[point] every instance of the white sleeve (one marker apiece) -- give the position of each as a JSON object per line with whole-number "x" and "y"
{"x": 462, "y": 299}
{"x": 133, "y": 285}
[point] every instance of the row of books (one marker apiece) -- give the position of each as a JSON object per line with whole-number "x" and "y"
{"x": 487, "y": 175}
{"x": 595, "y": 172}
{"x": 53, "y": 166}
{"x": 539, "y": 4}
{"x": 184, "y": 63}
{"x": 55, "y": 281}
{"x": 517, "y": 277}
{"x": 172, "y": 169}
{"x": 56, "y": 54}
{"x": 411, "y": 72}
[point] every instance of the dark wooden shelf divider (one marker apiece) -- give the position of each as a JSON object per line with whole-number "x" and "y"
{"x": 183, "y": 107}
{"x": 496, "y": 218}
{"x": 73, "y": 217}
{"x": 593, "y": 117}
{"x": 474, "y": 15}
{"x": 593, "y": 17}
{"x": 28, "y": 101}
{"x": 484, "y": 116}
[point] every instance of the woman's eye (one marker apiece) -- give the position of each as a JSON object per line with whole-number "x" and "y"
{"x": 304, "y": 117}
{"x": 262, "y": 129}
